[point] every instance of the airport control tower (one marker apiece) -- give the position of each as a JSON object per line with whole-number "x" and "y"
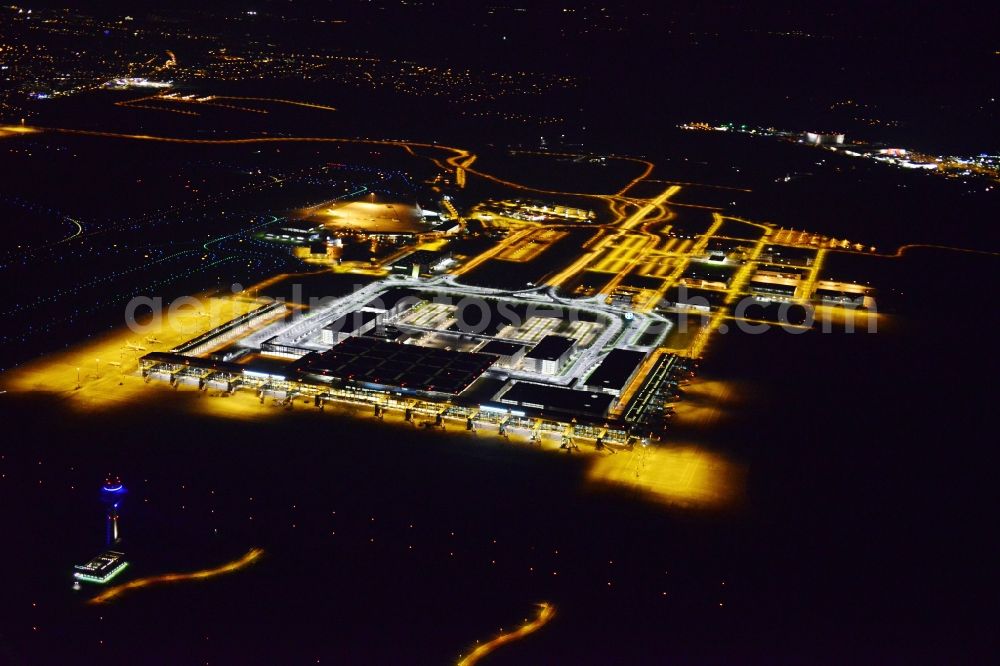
{"x": 112, "y": 495}
{"x": 110, "y": 563}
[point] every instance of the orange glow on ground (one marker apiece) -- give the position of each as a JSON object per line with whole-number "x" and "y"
{"x": 546, "y": 612}
{"x": 101, "y": 372}
{"x": 248, "y": 558}
{"x": 367, "y": 217}
{"x": 707, "y": 401}
{"x": 861, "y": 320}
{"x": 529, "y": 249}
{"x": 685, "y": 476}
{"x": 15, "y": 130}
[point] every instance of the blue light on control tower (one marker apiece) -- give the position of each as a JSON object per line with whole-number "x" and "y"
{"x": 112, "y": 495}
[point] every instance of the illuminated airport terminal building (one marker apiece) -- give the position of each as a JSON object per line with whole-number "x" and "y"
{"x": 429, "y": 345}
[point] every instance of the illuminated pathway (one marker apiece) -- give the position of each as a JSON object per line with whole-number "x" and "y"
{"x": 79, "y": 230}
{"x": 640, "y": 239}
{"x": 903, "y": 248}
{"x": 635, "y": 219}
{"x": 293, "y": 102}
{"x": 249, "y": 558}
{"x": 15, "y": 130}
{"x": 810, "y": 284}
{"x": 741, "y": 278}
{"x": 209, "y": 101}
{"x": 223, "y": 142}
{"x": 135, "y": 104}
{"x": 692, "y": 184}
{"x": 629, "y": 223}
{"x": 497, "y": 249}
{"x": 546, "y": 612}
{"x": 646, "y": 164}
{"x": 458, "y": 153}
{"x": 684, "y": 255}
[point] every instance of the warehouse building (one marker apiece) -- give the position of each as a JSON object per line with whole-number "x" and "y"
{"x": 350, "y": 324}
{"x": 380, "y": 365}
{"x": 848, "y": 295}
{"x": 509, "y": 353}
{"x": 545, "y": 398}
{"x": 788, "y": 256}
{"x": 771, "y": 286}
{"x": 550, "y": 354}
{"x": 615, "y": 372}
{"x": 715, "y": 273}
{"x": 422, "y": 263}
{"x": 392, "y": 303}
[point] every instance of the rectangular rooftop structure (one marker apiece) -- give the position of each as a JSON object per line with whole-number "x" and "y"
{"x": 420, "y": 262}
{"x": 710, "y": 272}
{"x": 379, "y": 365}
{"x": 778, "y": 286}
{"x": 393, "y": 302}
{"x": 102, "y": 568}
{"x": 350, "y": 324}
{"x": 550, "y": 354}
{"x": 694, "y": 297}
{"x": 615, "y": 372}
{"x": 510, "y": 353}
{"x": 546, "y": 398}
{"x": 788, "y": 256}
{"x": 153, "y": 359}
{"x": 844, "y": 294}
